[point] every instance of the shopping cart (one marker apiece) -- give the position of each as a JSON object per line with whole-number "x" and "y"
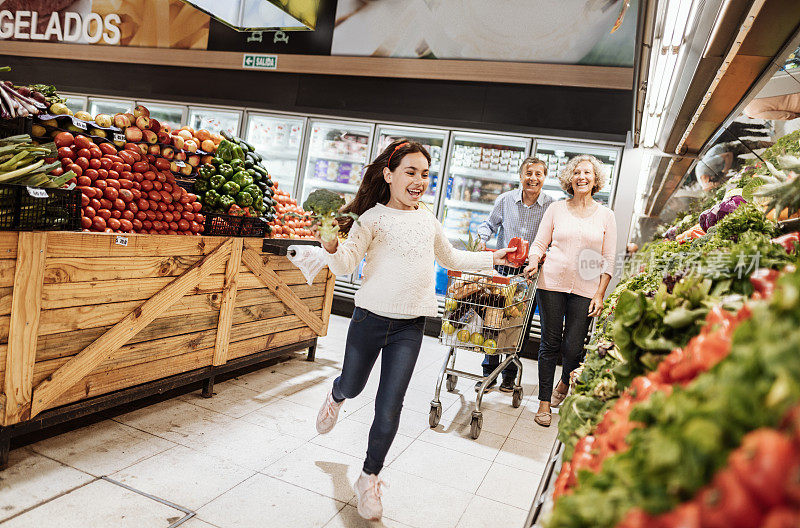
{"x": 486, "y": 314}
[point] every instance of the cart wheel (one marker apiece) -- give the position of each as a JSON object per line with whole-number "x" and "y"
{"x": 516, "y": 398}
{"x": 435, "y": 414}
{"x": 475, "y": 425}
{"x": 452, "y": 379}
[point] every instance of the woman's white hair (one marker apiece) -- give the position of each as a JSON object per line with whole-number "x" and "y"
{"x": 600, "y": 173}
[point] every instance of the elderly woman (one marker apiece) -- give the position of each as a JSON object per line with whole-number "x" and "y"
{"x": 581, "y": 234}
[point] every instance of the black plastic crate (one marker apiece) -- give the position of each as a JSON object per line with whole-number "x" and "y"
{"x": 240, "y": 226}
{"x": 25, "y": 208}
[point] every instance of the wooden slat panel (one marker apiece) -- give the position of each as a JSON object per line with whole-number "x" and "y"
{"x": 253, "y": 329}
{"x": 326, "y": 311}
{"x": 63, "y": 295}
{"x": 104, "y": 382}
{"x": 8, "y": 245}
{"x": 265, "y": 342}
{"x": 270, "y": 279}
{"x": 5, "y": 300}
{"x": 64, "y": 244}
{"x": 79, "y": 366}
{"x": 24, "y": 324}
{"x": 7, "y": 267}
{"x": 255, "y": 296}
{"x": 65, "y": 344}
{"x": 83, "y": 269}
{"x": 98, "y": 315}
{"x": 136, "y": 353}
{"x": 228, "y": 302}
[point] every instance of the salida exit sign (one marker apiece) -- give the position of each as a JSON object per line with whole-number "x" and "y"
{"x": 259, "y": 61}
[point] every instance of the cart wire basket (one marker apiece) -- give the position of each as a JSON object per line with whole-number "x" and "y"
{"x": 486, "y": 314}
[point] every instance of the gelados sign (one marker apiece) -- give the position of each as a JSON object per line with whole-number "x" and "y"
{"x": 68, "y": 26}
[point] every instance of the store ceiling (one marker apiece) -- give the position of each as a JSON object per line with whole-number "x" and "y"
{"x": 735, "y": 60}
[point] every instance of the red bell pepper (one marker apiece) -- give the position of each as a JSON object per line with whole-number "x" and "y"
{"x": 520, "y": 253}
{"x": 789, "y": 241}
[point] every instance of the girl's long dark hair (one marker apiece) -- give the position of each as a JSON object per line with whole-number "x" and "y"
{"x": 374, "y": 189}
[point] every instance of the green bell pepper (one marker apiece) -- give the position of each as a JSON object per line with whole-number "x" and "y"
{"x": 206, "y": 171}
{"x": 216, "y": 181}
{"x": 225, "y": 202}
{"x": 231, "y": 188}
{"x": 255, "y": 192}
{"x": 226, "y": 170}
{"x": 216, "y": 161}
{"x": 237, "y": 164}
{"x": 211, "y": 198}
{"x": 242, "y": 179}
{"x": 244, "y": 199}
{"x": 238, "y": 153}
{"x": 201, "y": 186}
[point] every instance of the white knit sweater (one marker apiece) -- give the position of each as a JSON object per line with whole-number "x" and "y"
{"x": 401, "y": 246}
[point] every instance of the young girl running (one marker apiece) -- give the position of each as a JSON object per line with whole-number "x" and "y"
{"x": 401, "y": 241}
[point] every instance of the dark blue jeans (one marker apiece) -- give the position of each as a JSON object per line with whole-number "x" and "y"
{"x": 400, "y": 341}
{"x": 565, "y": 322}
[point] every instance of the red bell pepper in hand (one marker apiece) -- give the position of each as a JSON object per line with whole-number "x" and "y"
{"x": 520, "y": 253}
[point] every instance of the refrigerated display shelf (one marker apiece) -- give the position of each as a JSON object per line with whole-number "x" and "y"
{"x": 333, "y": 157}
{"x": 276, "y": 154}
{"x": 334, "y": 186}
{"x": 485, "y": 174}
{"x": 470, "y": 206}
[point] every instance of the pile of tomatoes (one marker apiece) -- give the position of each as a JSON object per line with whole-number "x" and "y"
{"x": 291, "y": 220}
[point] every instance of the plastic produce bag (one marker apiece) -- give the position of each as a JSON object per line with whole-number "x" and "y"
{"x": 309, "y": 260}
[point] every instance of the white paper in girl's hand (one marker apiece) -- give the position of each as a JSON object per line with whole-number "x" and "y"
{"x": 308, "y": 259}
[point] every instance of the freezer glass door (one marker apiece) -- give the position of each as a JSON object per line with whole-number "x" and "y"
{"x": 278, "y": 139}
{"x": 172, "y": 115}
{"x": 433, "y": 140}
{"x": 76, "y": 103}
{"x": 480, "y": 169}
{"x": 556, "y": 154}
{"x": 337, "y": 154}
{"x": 215, "y": 120}
{"x": 109, "y": 106}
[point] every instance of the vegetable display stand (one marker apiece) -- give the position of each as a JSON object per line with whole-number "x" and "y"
{"x": 89, "y": 321}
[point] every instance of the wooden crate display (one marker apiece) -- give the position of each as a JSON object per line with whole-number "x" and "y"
{"x": 82, "y": 315}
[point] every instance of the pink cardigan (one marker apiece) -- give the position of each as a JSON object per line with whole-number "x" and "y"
{"x": 581, "y": 249}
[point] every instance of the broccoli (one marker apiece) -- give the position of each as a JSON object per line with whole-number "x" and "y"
{"x": 325, "y": 205}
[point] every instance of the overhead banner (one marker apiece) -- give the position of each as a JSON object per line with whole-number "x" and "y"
{"x": 586, "y": 32}
{"x": 596, "y": 32}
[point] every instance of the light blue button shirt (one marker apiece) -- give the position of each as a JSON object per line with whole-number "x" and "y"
{"x": 512, "y": 218}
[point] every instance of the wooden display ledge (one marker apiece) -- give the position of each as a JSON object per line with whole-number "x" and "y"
{"x": 88, "y": 321}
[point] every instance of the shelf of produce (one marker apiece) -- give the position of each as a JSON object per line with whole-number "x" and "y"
{"x": 89, "y": 314}
{"x": 485, "y": 174}
{"x": 470, "y": 206}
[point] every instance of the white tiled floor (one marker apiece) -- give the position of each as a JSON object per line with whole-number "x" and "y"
{"x": 250, "y": 456}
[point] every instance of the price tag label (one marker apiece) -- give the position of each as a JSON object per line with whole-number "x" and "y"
{"x": 37, "y": 192}
{"x": 179, "y": 163}
{"x": 78, "y": 123}
{"x": 119, "y": 137}
{"x": 122, "y": 241}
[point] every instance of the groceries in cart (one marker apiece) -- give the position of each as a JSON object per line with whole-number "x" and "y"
{"x": 484, "y": 313}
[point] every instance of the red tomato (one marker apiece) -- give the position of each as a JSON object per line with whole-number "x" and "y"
{"x": 84, "y": 200}
{"x": 89, "y": 212}
{"x": 98, "y": 223}
{"x": 136, "y": 193}
{"x": 116, "y": 213}
{"x": 188, "y": 216}
{"x": 111, "y": 193}
{"x": 77, "y": 169}
{"x": 119, "y": 204}
{"x": 727, "y": 504}
{"x": 173, "y": 226}
{"x": 147, "y": 185}
{"x": 157, "y": 185}
{"x": 66, "y": 153}
{"x": 94, "y": 203}
{"x": 83, "y": 142}
{"x": 167, "y": 216}
{"x": 125, "y": 225}
{"x": 64, "y": 139}
{"x": 126, "y": 195}
{"x": 102, "y": 174}
{"x": 106, "y": 163}
{"x": 143, "y": 204}
{"x": 128, "y": 215}
{"x": 183, "y": 224}
{"x": 149, "y": 175}
{"x": 114, "y": 183}
{"x": 86, "y": 222}
{"x": 141, "y": 216}
{"x": 104, "y": 213}
{"x": 194, "y": 226}
{"x": 764, "y": 458}
{"x": 162, "y": 207}
{"x": 84, "y": 153}
{"x": 197, "y": 206}
{"x": 126, "y": 184}
{"x": 94, "y": 163}
{"x": 107, "y": 148}
{"x": 151, "y": 215}
{"x": 166, "y": 197}
{"x": 137, "y": 224}
{"x": 84, "y": 181}
{"x": 147, "y": 224}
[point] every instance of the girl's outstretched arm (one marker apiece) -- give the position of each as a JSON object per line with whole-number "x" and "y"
{"x": 459, "y": 260}
{"x": 344, "y": 257}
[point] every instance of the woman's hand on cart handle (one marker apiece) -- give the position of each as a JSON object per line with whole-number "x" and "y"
{"x": 532, "y": 268}
{"x": 331, "y": 246}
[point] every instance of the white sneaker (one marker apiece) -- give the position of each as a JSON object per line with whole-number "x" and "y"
{"x": 328, "y": 414}
{"x": 368, "y": 489}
